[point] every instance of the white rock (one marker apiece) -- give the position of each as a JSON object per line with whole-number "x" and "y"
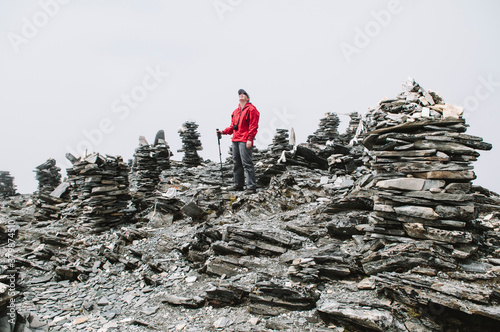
{"x": 180, "y": 327}
{"x": 417, "y": 211}
{"x": 254, "y": 320}
{"x": 222, "y": 322}
{"x": 367, "y": 283}
{"x": 191, "y": 279}
{"x": 426, "y": 112}
{"x": 110, "y": 325}
{"x": 452, "y": 111}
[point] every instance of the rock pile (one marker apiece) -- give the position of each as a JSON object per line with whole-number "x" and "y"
{"x": 423, "y": 242}
{"x": 162, "y": 151}
{"x": 99, "y": 183}
{"x": 273, "y": 160}
{"x": 281, "y": 142}
{"x": 148, "y": 163}
{"x": 404, "y": 242}
{"x": 48, "y": 176}
{"x": 48, "y": 207}
{"x": 424, "y": 172}
{"x": 352, "y": 128}
{"x": 145, "y": 170}
{"x": 412, "y": 104}
{"x": 7, "y": 187}
{"x": 327, "y": 131}
{"x": 325, "y": 149}
{"x": 190, "y": 144}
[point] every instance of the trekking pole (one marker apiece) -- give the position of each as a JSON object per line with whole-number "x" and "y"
{"x": 219, "y": 136}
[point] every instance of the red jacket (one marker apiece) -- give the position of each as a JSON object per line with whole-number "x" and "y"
{"x": 247, "y": 121}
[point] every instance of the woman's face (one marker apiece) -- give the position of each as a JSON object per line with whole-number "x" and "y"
{"x": 243, "y": 98}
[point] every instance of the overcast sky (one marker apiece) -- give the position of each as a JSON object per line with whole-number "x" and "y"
{"x": 95, "y": 75}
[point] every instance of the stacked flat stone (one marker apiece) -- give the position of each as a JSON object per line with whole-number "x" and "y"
{"x": 412, "y": 104}
{"x": 275, "y": 150}
{"x": 162, "y": 154}
{"x": 48, "y": 176}
{"x": 146, "y": 172}
{"x": 190, "y": 144}
{"x": 161, "y": 151}
{"x": 352, "y": 128}
{"x": 7, "y": 187}
{"x": 281, "y": 141}
{"x": 272, "y": 161}
{"x": 422, "y": 159}
{"x": 323, "y": 144}
{"x": 327, "y": 131}
{"x": 100, "y": 186}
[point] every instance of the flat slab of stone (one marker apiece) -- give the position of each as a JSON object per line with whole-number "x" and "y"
{"x": 410, "y": 153}
{"x": 447, "y": 147}
{"x": 373, "y": 319}
{"x": 417, "y": 211}
{"x": 448, "y": 175}
{"x": 441, "y": 197}
{"x": 419, "y": 231}
{"x": 411, "y": 184}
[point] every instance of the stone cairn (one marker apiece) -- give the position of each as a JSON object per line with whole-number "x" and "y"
{"x": 100, "y": 186}
{"x": 272, "y": 161}
{"x": 145, "y": 170}
{"x": 148, "y": 164}
{"x": 422, "y": 161}
{"x": 352, "y": 128}
{"x": 327, "y": 131}
{"x": 190, "y": 144}
{"x": 325, "y": 149}
{"x": 349, "y": 162}
{"x": 48, "y": 176}
{"x": 147, "y": 167}
{"x": 7, "y": 187}
{"x": 281, "y": 142}
{"x": 161, "y": 151}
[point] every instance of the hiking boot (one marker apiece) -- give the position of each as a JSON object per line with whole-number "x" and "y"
{"x": 251, "y": 191}
{"x": 236, "y": 188}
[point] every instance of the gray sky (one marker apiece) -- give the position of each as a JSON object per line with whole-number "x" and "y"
{"x": 96, "y": 75}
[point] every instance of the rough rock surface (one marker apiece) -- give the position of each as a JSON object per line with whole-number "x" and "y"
{"x": 389, "y": 236}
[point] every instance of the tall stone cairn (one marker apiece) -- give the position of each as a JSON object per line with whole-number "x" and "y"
{"x": 161, "y": 151}
{"x": 323, "y": 144}
{"x": 327, "y": 131}
{"x": 281, "y": 142}
{"x": 190, "y": 144}
{"x": 148, "y": 163}
{"x": 145, "y": 170}
{"x": 422, "y": 160}
{"x": 352, "y": 128}
{"x": 7, "y": 187}
{"x": 48, "y": 176}
{"x": 273, "y": 160}
{"x": 100, "y": 186}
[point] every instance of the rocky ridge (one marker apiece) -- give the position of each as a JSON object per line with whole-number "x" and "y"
{"x": 390, "y": 235}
